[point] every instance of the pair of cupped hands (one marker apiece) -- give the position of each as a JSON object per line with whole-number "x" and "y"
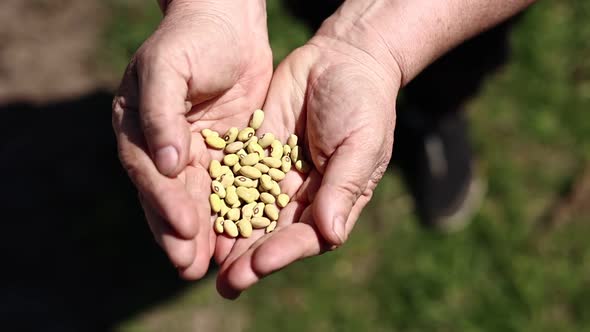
{"x": 209, "y": 65}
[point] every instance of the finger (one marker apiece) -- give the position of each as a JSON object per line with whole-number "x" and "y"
{"x": 197, "y": 185}
{"x": 167, "y": 196}
{"x": 284, "y": 105}
{"x": 223, "y": 247}
{"x": 347, "y": 173}
{"x": 283, "y": 247}
{"x": 181, "y": 252}
{"x": 163, "y": 90}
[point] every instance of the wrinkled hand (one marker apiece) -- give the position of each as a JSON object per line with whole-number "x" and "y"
{"x": 208, "y": 65}
{"x": 340, "y": 100}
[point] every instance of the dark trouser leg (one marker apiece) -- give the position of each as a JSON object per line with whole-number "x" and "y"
{"x": 431, "y": 140}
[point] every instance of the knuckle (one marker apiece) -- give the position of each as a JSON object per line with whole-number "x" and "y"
{"x": 153, "y": 122}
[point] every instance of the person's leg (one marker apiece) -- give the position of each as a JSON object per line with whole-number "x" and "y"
{"x": 432, "y": 141}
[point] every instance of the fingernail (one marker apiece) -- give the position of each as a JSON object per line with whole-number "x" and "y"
{"x": 338, "y": 228}
{"x": 167, "y": 160}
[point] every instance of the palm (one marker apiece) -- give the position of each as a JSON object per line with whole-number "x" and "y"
{"x": 230, "y": 108}
{"x": 277, "y": 249}
{"x": 323, "y": 98}
{"x": 215, "y": 76}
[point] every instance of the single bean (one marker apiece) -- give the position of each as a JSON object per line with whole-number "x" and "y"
{"x": 230, "y": 228}
{"x": 215, "y": 169}
{"x": 271, "y": 227}
{"x": 245, "y": 134}
{"x": 283, "y": 200}
{"x": 215, "y": 142}
{"x": 234, "y": 147}
{"x": 266, "y": 140}
{"x": 257, "y": 119}
{"x": 292, "y": 140}
{"x": 231, "y": 135}
{"x": 259, "y": 222}
{"x": 218, "y": 188}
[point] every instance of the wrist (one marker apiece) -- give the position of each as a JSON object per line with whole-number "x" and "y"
{"x": 414, "y": 33}
{"x": 348, "y": 31}
{"x": 246, "y": 20}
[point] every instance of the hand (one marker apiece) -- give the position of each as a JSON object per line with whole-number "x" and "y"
{"x": 208, "y": 65}
{"x": 340, "y": 100}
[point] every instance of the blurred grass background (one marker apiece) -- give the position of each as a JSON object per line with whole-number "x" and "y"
{"x": 524, "y": 264}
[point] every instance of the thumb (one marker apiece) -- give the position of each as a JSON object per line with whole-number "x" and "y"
{"x": 162, "y": 108}
{"x": 346, "y": 178}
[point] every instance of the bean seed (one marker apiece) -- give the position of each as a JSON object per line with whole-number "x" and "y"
{"x": 262, "y": 168}
{"x": 250, "y": 160}
{"x": 267, "y": 198}
{"x": 245, "y": 228}
{"x": 236, "y": 168}
{"x": 215, "y": 142}
{"x": 227, "y": 179}
{"x": 231, "y": 197}
{"x": 266, "y": 182}
{"x": 254, "y": 147}
{"x": 259, "y": 222}
{"x": 292, "y": 140}
{"x": 252, "y": 139}
{"x": 248, "y": 195}
{"x": 286, "y": 166}
{"x": 276, "y": 189}
{"x": 224, "y": 209}
{"x": 255, "y": 193}
{"x": 233, "y": 214}
{"x": 271, "y": 227}
{"x": 258, "y": 149}
{"x": 272, "y": 162}
{"x": 231, "y": 159}
{"x": 259, "y": 209}
{"x": 234, "y": 147}
{"x": 251, "y": 172}
{"x": 230, "y": 228}
{"x": 257, "y": 119}
{"x": 245, "y": 134}
{"x": 208, "y": 132}
{"x": 295, "y": 154}
{"x": 215, "y": 203}
{"x": 224, "y": 170}
{"x": 242, "y": 181}
{"x": 242, "y": 154}
{"x": 302, "y": 166}
{"x": 266, "y": 140}
{"x": 218, "y": 188}
{"x": 219, "y": 225}
{"x": 286, "y": 150}
{"x": 231, "y": 135}
{"x": 276, "y": 149}
{"x": 283, "y": 200}
{"x": 248, "y": 210}
{"x": 271, "y": 211}
{"x": 215, "y": 169}
{"x": 276, "y": 174}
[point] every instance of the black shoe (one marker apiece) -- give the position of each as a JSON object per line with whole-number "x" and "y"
{"x": 435, "y": 158}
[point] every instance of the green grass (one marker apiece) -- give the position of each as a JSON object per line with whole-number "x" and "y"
{"x": 532, "y": 133}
